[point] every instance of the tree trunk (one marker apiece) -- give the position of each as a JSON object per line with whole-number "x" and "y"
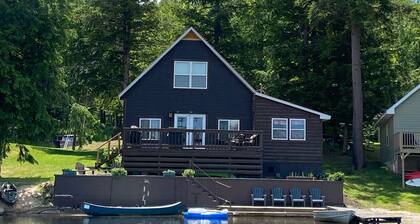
{"x": 126, "y": 45}
{"x": 345, "y": 137}
{"x": 73, "y": 147}
{"x": 357, "y": 97}
{"x": 217, "y": 23}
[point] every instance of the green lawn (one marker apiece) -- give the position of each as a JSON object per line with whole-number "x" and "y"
{"x": 50, "y": 161}
{"x": 374, "y": 186}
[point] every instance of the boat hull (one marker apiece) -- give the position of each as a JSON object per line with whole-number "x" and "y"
{"x": 100, "y": 210}
{"x": 334, "y": 216}
{"x": 413, "y": 182}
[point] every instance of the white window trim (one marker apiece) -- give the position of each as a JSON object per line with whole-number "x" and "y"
{"x": 229, "y": 120}
{"x": 150, "y": 119}
{"x": 190, "y": 75}
{"x": 387, "y": 135}
{"x": 284, "y": 129}
{"x": 304, "y": 129}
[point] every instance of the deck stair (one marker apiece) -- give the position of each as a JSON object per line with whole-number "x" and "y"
{"x": 216, "y": 200}
{"x": 111, "y": 150}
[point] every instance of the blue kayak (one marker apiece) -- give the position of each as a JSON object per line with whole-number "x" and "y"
{"x": 100, "y": 210}
{"x": 202, "y": 213}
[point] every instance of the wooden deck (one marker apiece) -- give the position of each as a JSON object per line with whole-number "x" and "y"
{"x": 407, "y": 142}
{"x": 151, "y": 151}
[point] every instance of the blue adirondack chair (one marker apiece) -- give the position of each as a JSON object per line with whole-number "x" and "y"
{"x": 278, "y": 196}
{"x": 258, "y": 195}
{"x": 296, "y": 196}
{"x": 316, "y": 197}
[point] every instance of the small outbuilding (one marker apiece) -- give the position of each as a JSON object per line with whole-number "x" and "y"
{"x": 399, "y": 134}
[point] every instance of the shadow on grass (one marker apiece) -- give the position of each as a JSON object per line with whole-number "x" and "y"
{"x": 58, "y": 151}
{"x": 376, "y": 184}
{"x": 20, "y": 181}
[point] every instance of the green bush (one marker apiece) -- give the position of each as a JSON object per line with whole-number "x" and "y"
{"x": 118, "y": 172}
{"x": 337, "y": 176}
{"x": 168, "y": 173}
{"x": 188, "y": 173}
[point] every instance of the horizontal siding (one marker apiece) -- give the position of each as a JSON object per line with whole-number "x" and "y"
{"x": 153, "y": 95}
{"x": 287, "y": 151}
{"x": 407, "y": 115}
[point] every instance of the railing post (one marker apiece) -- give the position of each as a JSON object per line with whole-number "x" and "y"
{"x": 109, "y": 148}
{"x": 119, "y": 142}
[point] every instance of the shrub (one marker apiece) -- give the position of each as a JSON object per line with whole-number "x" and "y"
{"x": 118, "y": 172}
{"x": 337, "y": 176}
{"x": 168, "y": 173}
{"x": 188, "y": 173}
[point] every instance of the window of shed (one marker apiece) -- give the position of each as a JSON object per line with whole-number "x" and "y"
{"x": 297, "y": 129}
{"x": 190, "y": 75}
{"x": 279, "y": 129}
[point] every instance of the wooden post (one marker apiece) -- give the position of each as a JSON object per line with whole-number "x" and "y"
{"x": 109, "y": 148}
{"x": 402, "y": 170}
{"x": 119, "y": 142}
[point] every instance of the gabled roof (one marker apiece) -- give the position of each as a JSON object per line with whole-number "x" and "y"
{"x": 192, "y": 34}
{"x": 322, "y": 116}
{"x": 185, "y": 34}
{"x": 391, "y": 111}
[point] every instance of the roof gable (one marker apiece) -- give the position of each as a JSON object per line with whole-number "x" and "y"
{"x": 189, "y": 34}
{"x": 391, "y": 111}
{"x": 192, "y": 34}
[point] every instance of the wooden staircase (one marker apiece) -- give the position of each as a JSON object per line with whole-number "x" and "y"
{"x": 112, "y": 151}
{"x": 215, "y": 199}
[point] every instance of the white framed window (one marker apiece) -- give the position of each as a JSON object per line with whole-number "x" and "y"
{"x": 149, "y": 123}
{"x": 228, "y": 124}
{"x": 190, "y": 75}
{"x": 279, "y": 128}
{"x": 297, "y": 129}
{"x": 387, "y": 135}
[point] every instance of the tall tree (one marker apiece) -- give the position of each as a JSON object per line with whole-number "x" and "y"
{"x": 357, "y": 96}
{"x": 31, "y": 97}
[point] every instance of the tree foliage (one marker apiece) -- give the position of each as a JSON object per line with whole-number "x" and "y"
{"x": 82, "y": 123}
{"x": 55, "y": 54}
{"x": 31, "y": 88}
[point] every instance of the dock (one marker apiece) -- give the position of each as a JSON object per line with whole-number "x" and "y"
{"x": 270, "y": 211}
{"x": 367, "y": 217}
{"x": 376, "y": 219}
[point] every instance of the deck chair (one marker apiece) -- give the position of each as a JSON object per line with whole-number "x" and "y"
{"x": 316, "y": 197}
{"x": 81, "y": 169}
{"x": 258, "y": 195}
{"x": 278, "y": 196}
{"x": 296, "y": 196}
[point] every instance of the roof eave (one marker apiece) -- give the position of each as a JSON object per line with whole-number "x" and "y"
{"x": 322, "y": 116}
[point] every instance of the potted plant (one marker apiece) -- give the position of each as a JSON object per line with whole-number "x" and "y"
{"x": 302, "y": 176}
{"x": 188, "y": 173}
{"x": 168, "y": 173}
{"x": 69, "y": 172}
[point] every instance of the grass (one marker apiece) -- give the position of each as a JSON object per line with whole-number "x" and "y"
{"x": 374, "y": 186}
{"x": 50, "y": 161}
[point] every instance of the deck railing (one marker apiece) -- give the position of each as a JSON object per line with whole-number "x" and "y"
{"x": 407, "y": 140}
{"x": 208, "y": 139}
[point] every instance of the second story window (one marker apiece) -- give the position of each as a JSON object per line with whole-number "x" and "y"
{"x": 190, "y": 75}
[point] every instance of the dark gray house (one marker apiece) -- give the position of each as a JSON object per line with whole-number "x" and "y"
{"x": 190, "y": 108}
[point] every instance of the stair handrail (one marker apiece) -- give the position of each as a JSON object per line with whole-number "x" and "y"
{"x": 98, "y": 150}
{"x": 212, "y": 178}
